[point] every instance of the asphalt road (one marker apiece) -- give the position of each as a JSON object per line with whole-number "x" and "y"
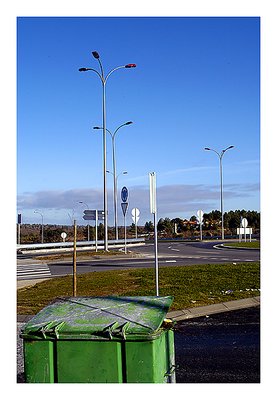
{"x": 170, "y": 254}
{"x": 221, "y": 348}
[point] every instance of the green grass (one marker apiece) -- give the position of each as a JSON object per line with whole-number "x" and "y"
{"x": 190, "y": 286}
{"x": 248, "y": 245}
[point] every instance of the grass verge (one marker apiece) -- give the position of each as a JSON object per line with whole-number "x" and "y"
{"x": 190, "y": 286}
{"x": 247, "y": 245}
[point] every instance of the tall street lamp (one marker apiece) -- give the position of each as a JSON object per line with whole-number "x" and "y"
{"x": 38, "y": 212}
{"x": 114, "y": 172}
{"x": 115, "y": 179}
{"x": 82, "y": 202}
{"x": 220, "y": 155}
{"x": 104, "y": 79}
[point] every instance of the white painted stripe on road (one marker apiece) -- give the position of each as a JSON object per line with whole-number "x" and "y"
{"x": 170, "y": 261}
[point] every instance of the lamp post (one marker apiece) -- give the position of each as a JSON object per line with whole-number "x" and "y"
{"x": 38, "y": 212}
{"x": 82, "y": 202}
{"x": 104, "y": 79}
{"x": 115, "y": 179}
{"x": 114, "y": 171}
{"x": 220, "y": 155}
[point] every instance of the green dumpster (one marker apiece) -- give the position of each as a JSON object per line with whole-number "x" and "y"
{"x": 100, "y": 340}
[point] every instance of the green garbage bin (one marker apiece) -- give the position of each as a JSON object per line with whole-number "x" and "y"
{"x": 100, "y": 340}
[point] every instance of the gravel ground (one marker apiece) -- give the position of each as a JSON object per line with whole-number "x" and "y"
{"x": 20, "y": 362}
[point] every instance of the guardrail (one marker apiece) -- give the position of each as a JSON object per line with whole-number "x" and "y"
{"x": 65, "y": 245}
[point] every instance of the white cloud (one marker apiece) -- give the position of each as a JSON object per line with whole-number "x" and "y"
{"x": 172, "y": 200}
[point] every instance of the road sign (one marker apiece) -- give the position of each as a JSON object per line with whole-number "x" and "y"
{"x": 63, "y": 235}
{"x": 124, "y": 194}
{"x": 153, "y": 203}
{"x": 90, "y": 215}
{"x": 244, "y": 222}
{"x": 200, "y": 216}
{"x": 124, "y": 207}
{"x": 241, "y": 231}
{"x": 90, "y": 212}
{"x": 135, "y": 215}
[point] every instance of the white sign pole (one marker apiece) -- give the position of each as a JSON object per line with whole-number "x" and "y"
{"x": 136, "y": 226}
{"x": 125, "y": 234}
{"x": 153, "y": 210}
{"x": 96, "y": 230}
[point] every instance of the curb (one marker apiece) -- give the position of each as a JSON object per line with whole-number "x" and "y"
{"x": 194, "y": 312}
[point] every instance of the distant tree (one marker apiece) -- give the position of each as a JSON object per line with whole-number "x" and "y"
{"x": 149, "y": 227}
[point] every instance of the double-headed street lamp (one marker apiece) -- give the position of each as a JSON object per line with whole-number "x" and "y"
{"x": 114, "y": 172}
{"x": 220, "y": 155}
{"x": 104, "y": 79}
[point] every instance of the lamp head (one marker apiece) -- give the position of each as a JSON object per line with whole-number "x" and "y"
{"x": 130, "y": 66}
{"x": 95, "y": 54}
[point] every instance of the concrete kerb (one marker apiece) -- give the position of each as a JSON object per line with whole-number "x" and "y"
{"x": 195, "y": 312}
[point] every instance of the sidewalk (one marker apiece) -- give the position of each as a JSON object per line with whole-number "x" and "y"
{"x": 195, "y": 312}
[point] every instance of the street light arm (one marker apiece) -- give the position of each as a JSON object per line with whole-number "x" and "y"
{"x": 126, "y": 123}
{"x": 207, "y": 148}
{"x": 94, "y": 70}
{"x": 105, "y": 79}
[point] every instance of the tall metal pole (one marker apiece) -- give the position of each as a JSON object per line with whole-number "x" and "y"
{"x": 37, "y": 212}
{"x": 104, "y": 81}
{"x": 221, "y": 196}
{"x": 114, "y": 172}
{"x": 82, "y": 202}
{"x": 221, "y": 184}
{"x": 75, "y": 260}
{"x": 153, "y": 210}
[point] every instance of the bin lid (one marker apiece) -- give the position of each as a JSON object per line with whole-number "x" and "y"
{"x": 108, "y": 318}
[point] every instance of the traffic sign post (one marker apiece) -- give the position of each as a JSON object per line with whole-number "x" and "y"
{"x": 135, "y": 218}
{"x": 19, "y": 221}
{"x": 124, "y": 207}
{"x": 94, "y": 215}
{"x": 63, "y": 236}
{"x": 200, "y": 220}
{"x": 244, "y": 224}
{"x": 153, "y": 210}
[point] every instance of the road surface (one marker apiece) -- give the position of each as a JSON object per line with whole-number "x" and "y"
{"x": 170, "y": 254}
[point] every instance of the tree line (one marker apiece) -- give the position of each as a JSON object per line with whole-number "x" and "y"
{"x": 166, "y": 227}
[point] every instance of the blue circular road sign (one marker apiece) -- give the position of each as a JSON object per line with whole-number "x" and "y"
{"x": 124, "y": 194}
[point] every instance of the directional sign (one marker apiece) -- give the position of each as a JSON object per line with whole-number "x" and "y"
{"x": 135, "y": 215}
{"x": 90, "y": 215}
{"x": 124, "y": 194}
{"x": 124, "y": 207}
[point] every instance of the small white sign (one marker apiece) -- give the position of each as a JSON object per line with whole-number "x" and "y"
{"x": 242, "y": 231}
{"x": 135, "y": 215}
{"x": 153, "y": 203}
{"x": 244, "y": 222}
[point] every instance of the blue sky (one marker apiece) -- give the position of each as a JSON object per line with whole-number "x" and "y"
{"x": 196, "y": 85}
